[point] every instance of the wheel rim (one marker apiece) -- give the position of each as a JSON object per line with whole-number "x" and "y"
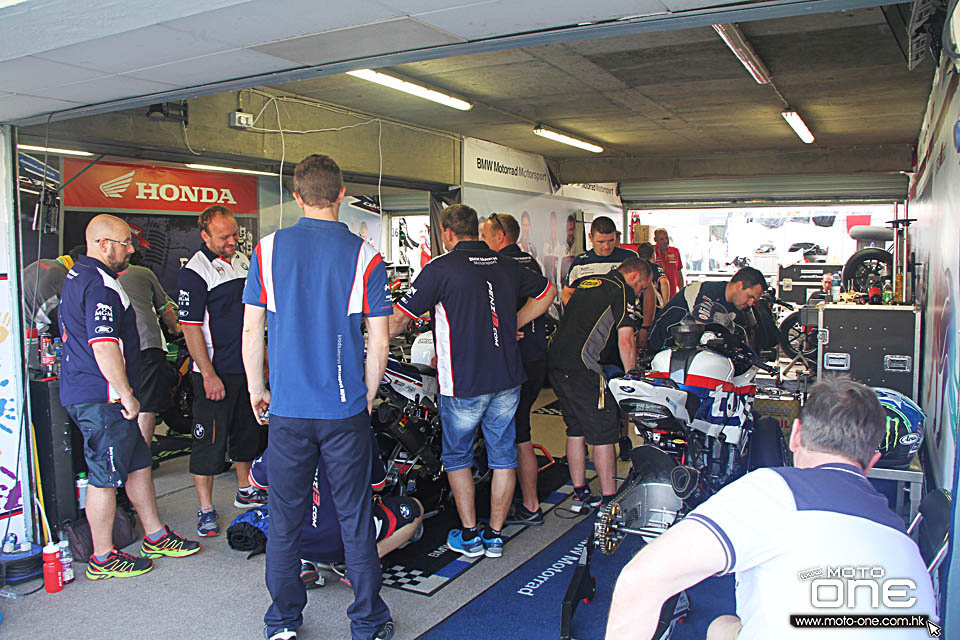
{"x": 869, "y": 273}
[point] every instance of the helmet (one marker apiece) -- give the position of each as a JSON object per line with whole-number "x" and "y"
{"x": 904, "y": 429}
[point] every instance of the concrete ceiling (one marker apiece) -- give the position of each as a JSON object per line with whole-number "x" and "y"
{"x": 670, "y": 93}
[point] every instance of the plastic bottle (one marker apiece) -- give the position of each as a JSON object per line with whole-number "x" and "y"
{"x": 82, "y": 490}
{"x": 58, "y": 348}
{"x": 835, "y": 288}
{"x": 898, "y": 288}
{"x": 52, "y": 569}
{"x": 887, "y": 293}
{"x": 66, "y": 561}
{"x": 48, "y": 357}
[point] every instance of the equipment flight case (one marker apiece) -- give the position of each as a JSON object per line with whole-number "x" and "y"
{"x": 878, "y": 345}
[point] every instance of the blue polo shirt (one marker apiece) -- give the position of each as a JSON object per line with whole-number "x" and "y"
{"x": 472, "y": 292}
{"x": 533, "y": 345}
{"x": 211, "y": 297}
{"x": 95, "y": 308}
{"x": 589, "y": 263}
{"x": 317, "y": 281}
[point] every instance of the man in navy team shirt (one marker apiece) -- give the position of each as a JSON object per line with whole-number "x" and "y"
{"x": 211, "y": 315}
{"x": 316, "y": 282}
{"x": 472, "y": 293}
{"x": 98, "y": 387}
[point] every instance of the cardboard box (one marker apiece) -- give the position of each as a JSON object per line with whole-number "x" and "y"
{"x": 639, "y": 233}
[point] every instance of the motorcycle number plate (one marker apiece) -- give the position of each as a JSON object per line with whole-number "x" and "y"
{"x": 836, "y": 361}
{"x": 898, "y": 364}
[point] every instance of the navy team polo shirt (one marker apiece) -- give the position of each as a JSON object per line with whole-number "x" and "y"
{"x": 211, "y": 297}
{"x": 589, "y": 263}
{"x": 317, "y": 280}
{"x": 95, "y": 308}
{"x": 473, "y": 292}
{"x": 533, "y": 345}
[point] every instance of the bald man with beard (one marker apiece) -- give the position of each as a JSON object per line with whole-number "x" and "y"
{"x": 98, "y": 388}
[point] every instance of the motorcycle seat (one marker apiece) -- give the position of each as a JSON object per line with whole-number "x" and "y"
{"x": 418, "y": 369}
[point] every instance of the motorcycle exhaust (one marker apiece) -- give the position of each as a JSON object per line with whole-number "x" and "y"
{"x": 684, "y": 481}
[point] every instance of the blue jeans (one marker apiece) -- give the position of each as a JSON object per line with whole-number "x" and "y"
{"x": 292, "y": 462}
{"x": 495, "y": 413}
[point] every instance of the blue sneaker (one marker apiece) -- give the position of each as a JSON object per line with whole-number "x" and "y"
{"x": 470, "y": 548}
{"x": 207, "y": 525}
{"x": 492, "y": 546}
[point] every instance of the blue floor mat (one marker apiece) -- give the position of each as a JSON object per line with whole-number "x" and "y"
{"x": 526, "y": 603}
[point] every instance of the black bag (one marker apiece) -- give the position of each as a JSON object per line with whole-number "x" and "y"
{"x": 125, "y": 532}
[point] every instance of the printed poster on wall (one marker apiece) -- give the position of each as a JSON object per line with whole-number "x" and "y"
{"x": 362, "y": 217}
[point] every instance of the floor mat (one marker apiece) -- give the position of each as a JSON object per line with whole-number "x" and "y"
{"x": 427, "y": 566}
{"x": 539, "y": 586}
{"x": 552, "y": 409}
{"x": 167, "y": 447}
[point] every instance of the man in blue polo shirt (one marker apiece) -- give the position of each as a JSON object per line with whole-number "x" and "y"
{"x": 472, "y": 293}
{"x": 501, "y": 232}
{"x": 98, "y": 387}
{"x": 316, "y": 282}
{"x": 211, "y": 315}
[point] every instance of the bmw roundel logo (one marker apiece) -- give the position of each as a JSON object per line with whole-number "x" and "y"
{"x": 198, "y": 431}
{"x": 404, "y": 511}
{"x": 627, "y": 389}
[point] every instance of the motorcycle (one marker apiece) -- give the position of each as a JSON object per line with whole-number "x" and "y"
{"x": 694, "y": 411}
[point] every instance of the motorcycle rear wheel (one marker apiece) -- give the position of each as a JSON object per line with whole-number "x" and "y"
{"x": 794, "y": 339}
{"x": 867, "y": 268}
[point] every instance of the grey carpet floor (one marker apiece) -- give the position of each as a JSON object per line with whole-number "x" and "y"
{"x": 219, "y": 594}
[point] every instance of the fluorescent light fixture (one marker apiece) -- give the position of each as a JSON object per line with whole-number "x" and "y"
{"x": 797, "y": 124}
{"x": 565, "y": 139}
{"x": 411, "y": 88}
{"x": 53, "y": 150}
{"x": 734, "y": 38}
{"x": 213, "y": 167}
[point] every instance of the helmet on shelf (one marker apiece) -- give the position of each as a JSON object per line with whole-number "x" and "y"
{"x": 903, "y": 433}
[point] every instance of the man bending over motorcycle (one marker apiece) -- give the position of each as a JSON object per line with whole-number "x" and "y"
{"x": 778, "y": 528}
{"x": 396, "y": 519}
{"x": 736, "y": 296}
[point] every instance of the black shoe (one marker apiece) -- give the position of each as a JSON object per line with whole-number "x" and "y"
{"x": 584, "y": 498}
{"x": 386, "y": 631}
{"x": 522, "y": 515}
{"x": 625, "y": 446}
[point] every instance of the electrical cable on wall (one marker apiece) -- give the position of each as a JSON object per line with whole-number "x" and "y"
{"x": 187, "y": 140}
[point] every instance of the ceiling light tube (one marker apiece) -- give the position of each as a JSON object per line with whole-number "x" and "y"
{"x": 411, "y": 88}
{"x": 212, "y": 167}
{"x": 53, "y": 150}
{"x": 733, "y": 37}
{"x": 565, "y": 139}
{"x": 797, "y": 124}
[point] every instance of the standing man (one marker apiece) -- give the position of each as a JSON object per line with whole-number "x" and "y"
{"x": 669, "y": 260}
{"x": 772, "y": 526}
{"x": 736, "y": 296}
{"x": 597, "y": 316}
{"x": 98, "y": 387}
{"x": 41, "y": 283}
{"x": 472, "y": 293}
{"x": 151, "y": 304}
{"x": 659, "y": 282}
{"x": 316, "y": 282}
{"x": 500, "y": 232}
{"x": 211, "y": 314}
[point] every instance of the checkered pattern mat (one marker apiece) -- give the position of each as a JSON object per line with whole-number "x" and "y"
{"x": 552, "y": 409}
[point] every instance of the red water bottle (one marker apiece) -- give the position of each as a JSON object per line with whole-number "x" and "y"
{"x": 52, "y": 570}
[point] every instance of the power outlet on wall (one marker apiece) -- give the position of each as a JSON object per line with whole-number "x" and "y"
{"x": 240, "y": 120}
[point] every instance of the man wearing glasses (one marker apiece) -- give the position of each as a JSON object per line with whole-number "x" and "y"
{"x": 98, "y": 387}
{"x": 211, "y": 315}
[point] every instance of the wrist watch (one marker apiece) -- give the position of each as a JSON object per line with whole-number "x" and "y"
{"x": 646, "y": 327}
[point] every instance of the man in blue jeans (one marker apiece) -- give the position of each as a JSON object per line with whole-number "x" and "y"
{"x": 317, "y": 282}
{"x": 472, "y": 292}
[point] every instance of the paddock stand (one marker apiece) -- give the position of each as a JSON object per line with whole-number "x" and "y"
{"x": 583, "y": 587}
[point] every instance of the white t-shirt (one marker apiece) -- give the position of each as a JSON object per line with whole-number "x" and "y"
{"x": 787, "y": 533}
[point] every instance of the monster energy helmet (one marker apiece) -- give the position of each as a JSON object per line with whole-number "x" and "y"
{"x": 904, "y": 429}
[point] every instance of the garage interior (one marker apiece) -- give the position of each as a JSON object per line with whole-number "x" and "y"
{"x": 681, "y": 123}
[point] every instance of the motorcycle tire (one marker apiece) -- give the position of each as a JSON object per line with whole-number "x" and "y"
{"x": 768, "y": 448}
{"x": 794, "y": 339}
{"x": 867, "y": 268}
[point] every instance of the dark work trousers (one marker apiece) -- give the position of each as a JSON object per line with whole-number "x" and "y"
{"x": 536, "y": 374}
{"x": 292, "y": 462}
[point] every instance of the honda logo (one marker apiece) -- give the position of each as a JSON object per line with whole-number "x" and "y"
{"x": 116, "y": 187}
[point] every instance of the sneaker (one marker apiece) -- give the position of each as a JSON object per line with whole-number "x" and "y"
{"x": 207, "y": 525}
{"x": 340, "y": 568}
{"x": 309, "y": 575}
{"x": 386, "y": 631}
{"x": 584, "y": 498}
{"x": 492, "y": 545}
{"x": 521, "y": 515}
{"x": 172, "y": 545}
{"x": 280, "y": 634}
{"x": 250, "y": 497}
{"x": 117, "y": 565}
{"x": 625, "y": 446}
{"x": 470, "y": 548}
